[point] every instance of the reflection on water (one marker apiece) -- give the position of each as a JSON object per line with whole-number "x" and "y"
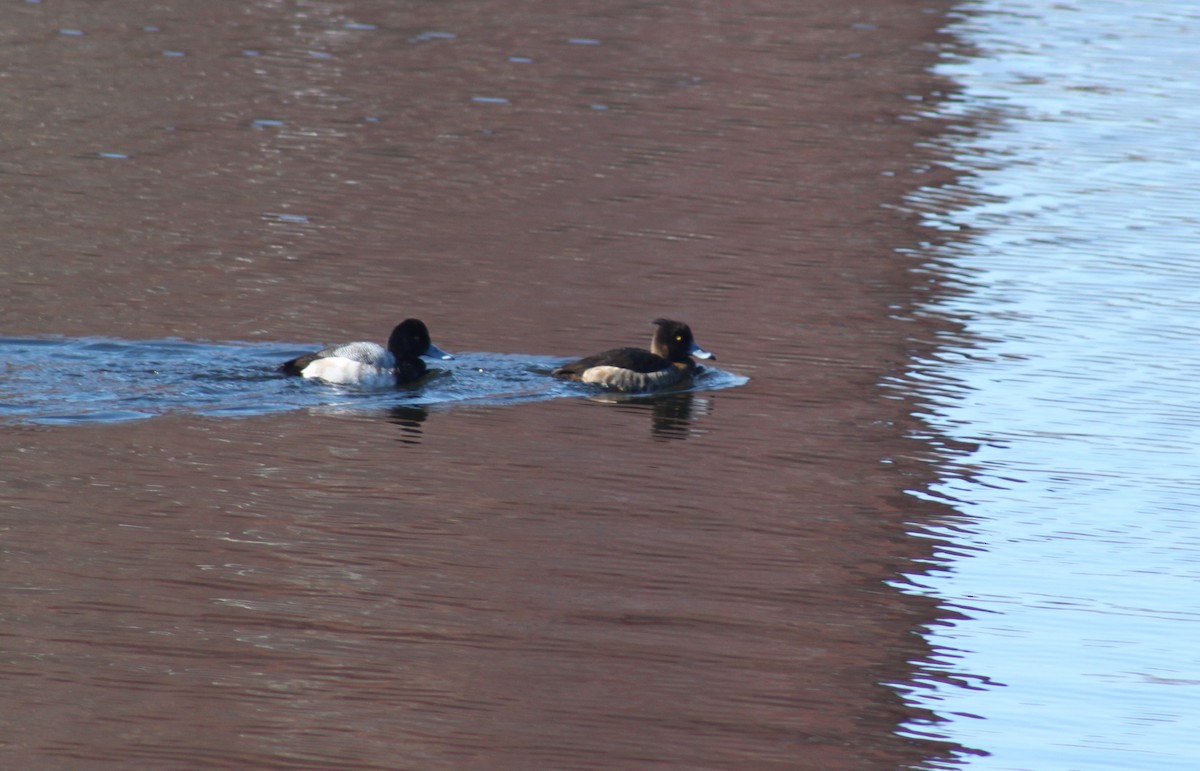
{"x": 671, "y": 414}
{"x": 409, "y": 418}
{"x": 1074, "y": 563}
{"x": 488, "y": 570}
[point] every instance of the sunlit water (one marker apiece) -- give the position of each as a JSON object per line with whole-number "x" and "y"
{"x": 61, "y": 380}
{"x": 1076, "y": 559}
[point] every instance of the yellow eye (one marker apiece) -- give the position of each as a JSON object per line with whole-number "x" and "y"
{"x": 679, "y": 338}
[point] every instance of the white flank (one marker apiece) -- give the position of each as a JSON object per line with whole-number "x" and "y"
{"x": 335, "y": 369}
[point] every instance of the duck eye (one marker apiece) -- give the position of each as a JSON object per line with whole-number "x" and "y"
{"x": 679, "y": 338}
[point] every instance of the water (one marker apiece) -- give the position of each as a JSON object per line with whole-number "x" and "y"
{"x": 86, "y": 380}
{"x": 1074, "y": 556}
{"x": 494, "y": 569}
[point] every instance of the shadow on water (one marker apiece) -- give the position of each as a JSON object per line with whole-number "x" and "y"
{"x": 100, "y": 380}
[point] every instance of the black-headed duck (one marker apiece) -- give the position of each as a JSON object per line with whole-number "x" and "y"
{"x": 370, "y": 364}
{"x": 667, "y": 363}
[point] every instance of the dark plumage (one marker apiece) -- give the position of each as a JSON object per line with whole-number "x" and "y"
{"x": 667, "y": 363}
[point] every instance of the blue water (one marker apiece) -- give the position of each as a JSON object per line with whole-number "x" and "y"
{"x": 60, "y": 380}
{"x": 1074, "y": 557}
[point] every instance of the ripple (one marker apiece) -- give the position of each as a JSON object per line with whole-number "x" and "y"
{"x": 104, "y": 380}
{"x": 1077, "y": 282}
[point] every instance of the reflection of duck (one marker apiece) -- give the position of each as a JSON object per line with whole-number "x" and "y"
{"x": 672, "y": 413}
{"x": 370, "y": 364}
{"x": 667, "y": 363}
{"x": 409, "y": 418}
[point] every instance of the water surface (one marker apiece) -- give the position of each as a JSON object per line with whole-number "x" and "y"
{"x": 100, "y": 379}
{"x": 1074, "y": 560}
{"x": 433, "y": 579}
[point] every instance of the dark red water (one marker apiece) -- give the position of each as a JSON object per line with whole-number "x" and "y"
{"x": 561, "y": 584}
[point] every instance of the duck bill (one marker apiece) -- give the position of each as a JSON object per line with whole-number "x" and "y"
{"x": 700, "y": 353}
{"x": 435, "y": 352}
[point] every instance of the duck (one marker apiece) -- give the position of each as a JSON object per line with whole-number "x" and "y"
{"x": 668, "y": 362}
{"x": 371, "y": 364}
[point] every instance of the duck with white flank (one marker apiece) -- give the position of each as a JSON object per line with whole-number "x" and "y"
{"x": 370, "y": 364}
